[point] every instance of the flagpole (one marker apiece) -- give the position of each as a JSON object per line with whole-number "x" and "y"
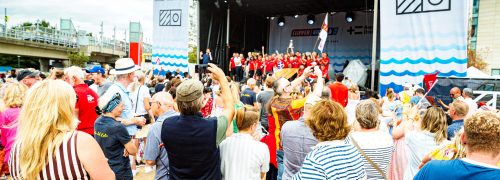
{"x": 321, "y": 30}
{"x": 315, "y": 44}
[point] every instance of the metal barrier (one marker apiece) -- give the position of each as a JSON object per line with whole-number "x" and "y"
{"x": 485, "y": 95}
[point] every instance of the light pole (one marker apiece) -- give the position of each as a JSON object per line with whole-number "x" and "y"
{"x": 18, "y": 61}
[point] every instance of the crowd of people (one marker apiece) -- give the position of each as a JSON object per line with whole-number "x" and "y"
{"x": 103, "y": 123}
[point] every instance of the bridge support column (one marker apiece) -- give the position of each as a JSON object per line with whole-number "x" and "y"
{"x": 44, "y": 65}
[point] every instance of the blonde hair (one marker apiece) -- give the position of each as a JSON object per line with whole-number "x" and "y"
{"x": 235, "y": 92}
{"x": 482, "y": 130}
{"x": 390, "y": 94}
{"x": 434, "y": 121}
{"x": 328, "y": 121}
{"x": 458, "y": 143}
{"x": 354, "y": 88}
{"x": 14, "y": 94}
{"x": 461, "y": 108}
{"x": 47, "y": 115}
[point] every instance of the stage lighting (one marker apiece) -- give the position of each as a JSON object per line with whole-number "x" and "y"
{"x": 296, "y": 16}
{"x": 349, "y": 17}
{"x": 311, "y": 19}
{"x": 281, "y": 21}
{"x": 217, "y": 5}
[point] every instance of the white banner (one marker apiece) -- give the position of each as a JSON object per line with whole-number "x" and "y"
{"x": 345, "y": 42}
{"x": 170, "y": 36}
{"x": 421, "y": 37}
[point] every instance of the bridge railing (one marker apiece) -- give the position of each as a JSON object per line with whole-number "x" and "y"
{"x": 42, "y": 35}
{"x": 69, "y": 40}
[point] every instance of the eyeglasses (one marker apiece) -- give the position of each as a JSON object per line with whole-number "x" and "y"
{"x": 152, "y": 102}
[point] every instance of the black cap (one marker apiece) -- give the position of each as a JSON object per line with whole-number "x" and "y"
{"x": 27, "y": 73}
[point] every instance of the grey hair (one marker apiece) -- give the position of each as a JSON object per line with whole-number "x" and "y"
{"x": 468, "y": 92}
{"x": 278, "y": 86}
{"x": 367, "y": 114}
{"x": 190, "y": 107}
{"x": 74, "y": 71}
{"x": 326, "y": 93}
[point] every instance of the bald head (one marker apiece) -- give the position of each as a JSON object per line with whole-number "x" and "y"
{"x": 455, "y": 92}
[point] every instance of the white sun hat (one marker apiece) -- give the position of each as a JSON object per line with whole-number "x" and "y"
{"x": 124, "y": 66}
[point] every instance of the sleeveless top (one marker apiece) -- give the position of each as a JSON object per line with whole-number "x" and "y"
{"x": 65, "y": 164}
{"x": 190, "y": 141}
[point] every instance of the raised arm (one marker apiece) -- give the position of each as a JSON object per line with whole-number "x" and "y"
{"x": 318, "y": 88}
{"x": 227, "y": 97}
{"x": 299, "y": 80}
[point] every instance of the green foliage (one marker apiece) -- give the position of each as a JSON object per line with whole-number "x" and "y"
{"x": 78, "y": 59}
{"x": 193, "y": 55}
{"x": 24, "y": 61}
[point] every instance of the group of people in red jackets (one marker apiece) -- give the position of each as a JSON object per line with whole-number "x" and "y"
{"x": 257, "y": 65}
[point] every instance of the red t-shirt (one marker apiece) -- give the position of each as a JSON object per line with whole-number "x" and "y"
{"x": 87, "y": 101}
{"x": 260, "y": 64}
{"x": 324, "y": 71}
{"x": 231, "y": 62}
{"x": 339, "y": 93}
{"x": 295, "y": 63}
{"x": 300, "y": 72}
{"x": 269, "y": 66}
{"x": 251, "y": 65}
{"x": 325, "y": 61}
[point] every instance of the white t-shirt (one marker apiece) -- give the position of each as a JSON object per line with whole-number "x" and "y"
{"x": 472, "y": 106}
{"x": 242, "y": 157}
{"x": 138, "y": 100}
{"x": 418, "y": 144}
{"x": 237, "y": 61}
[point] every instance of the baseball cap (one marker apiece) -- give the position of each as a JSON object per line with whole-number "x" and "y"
{"x": 96, "y": 69}
{"x": 189, "y": 90}
{"x": 27, "y": 73}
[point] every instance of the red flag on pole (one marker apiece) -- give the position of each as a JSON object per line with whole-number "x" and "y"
{"x": 429, "y": 80}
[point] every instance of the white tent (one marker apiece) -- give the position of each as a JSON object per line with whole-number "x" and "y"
{"x": 473, "y": 72}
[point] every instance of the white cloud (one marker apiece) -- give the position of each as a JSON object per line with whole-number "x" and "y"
{"x": 85, "y": 14}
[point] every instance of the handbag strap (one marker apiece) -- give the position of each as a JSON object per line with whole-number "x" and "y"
{"x": 367, "y": 158}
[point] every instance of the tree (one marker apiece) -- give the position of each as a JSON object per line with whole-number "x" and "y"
{"x": 193, "y": 55}
{"x": 476, "y": 59}
{"x": 78, "y": 59}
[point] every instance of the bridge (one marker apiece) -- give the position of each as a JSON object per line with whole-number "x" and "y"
{"x": 51, "y": 44}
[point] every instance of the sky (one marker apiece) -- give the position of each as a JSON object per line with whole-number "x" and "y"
{"x": 85, "y": 14}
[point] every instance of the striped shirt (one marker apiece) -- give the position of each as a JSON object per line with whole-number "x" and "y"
{"x": 333, "y": 160}
{"x": 65, "y": 164}
{"x": 378, "y": 146}
{"x": 242, "y": 157}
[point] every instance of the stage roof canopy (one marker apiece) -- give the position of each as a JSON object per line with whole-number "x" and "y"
{"x": 274, "y": 8}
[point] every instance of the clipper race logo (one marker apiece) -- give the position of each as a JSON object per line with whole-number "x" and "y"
{"x": 170, "y": 17}
{"x": 421, "y": 6}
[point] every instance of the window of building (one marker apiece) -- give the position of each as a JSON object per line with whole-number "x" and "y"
{"x": 495, "y": 72}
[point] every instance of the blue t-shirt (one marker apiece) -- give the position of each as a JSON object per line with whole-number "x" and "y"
{"x": 248, "y": 97}
{"x": 206, "y": 58}
{"x": 112, "y": 136}
{"x": 454, "y": 127}
{"x": 457, "y": 169}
